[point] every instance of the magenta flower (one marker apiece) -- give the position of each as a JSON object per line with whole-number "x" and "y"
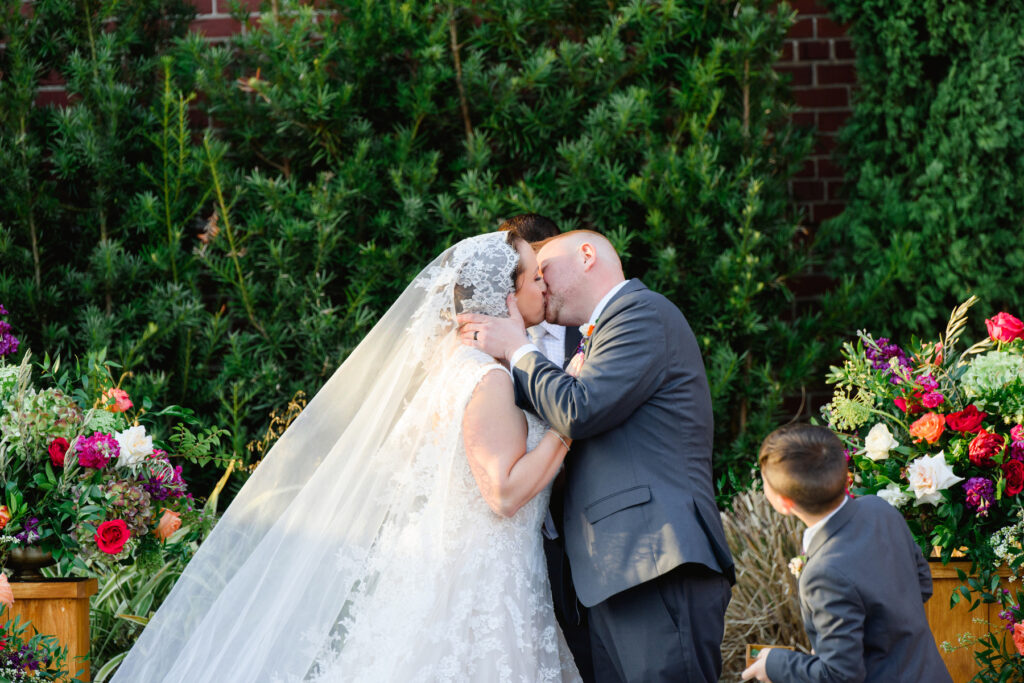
{"x": 932, "y": 399}
{"x": 97, "y": 450}
{"x": 1017, "y": 433}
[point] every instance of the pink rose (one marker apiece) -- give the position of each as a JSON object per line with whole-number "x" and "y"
{"x": 120, "y": 399}
{"x": 1005, "y": 328}
{"x": 5, "y": 516}
{"x": 6, "y": 592}
{"x": 1017, "y": 433}
{"x": 168, "y": 524}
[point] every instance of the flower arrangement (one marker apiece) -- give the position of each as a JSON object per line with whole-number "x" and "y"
{"x": 83, "y": 478}
{"x": 30, "y": 658}
{"x": 940, "y": 436}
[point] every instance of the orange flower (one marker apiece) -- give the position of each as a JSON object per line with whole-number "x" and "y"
{"x": 120, "y": 399}
{"x": 5, "y": 516}
{"x": 168, "y": 524}
{"x": 1018, "y": 638}
{"x": 6, "y": 594}
{"x": 928, "y": 428}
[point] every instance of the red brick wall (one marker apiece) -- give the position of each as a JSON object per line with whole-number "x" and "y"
{"x": 819, "y": 58}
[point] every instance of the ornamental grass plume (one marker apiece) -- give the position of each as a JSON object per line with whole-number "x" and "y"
{"x": 765, "y": 607}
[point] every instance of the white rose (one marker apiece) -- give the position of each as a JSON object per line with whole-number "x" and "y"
{"x": 894, "y": 495}
{"x": 135, "y": 446}
{"x": 879, "y": 442}
{"x": 928, "y": 475}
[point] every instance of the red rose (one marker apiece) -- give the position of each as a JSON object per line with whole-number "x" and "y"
{"x": 984, "y": 447}
{"x": 1005, "y": 328}
{"x": 111, "y": 536}
{"x": 1014, "y": 472}
{"x": 967, "y": 420}
{"x": 58, "y": 449}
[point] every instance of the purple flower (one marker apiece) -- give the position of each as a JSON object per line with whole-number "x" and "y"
{"x": 8, "y": 342}
{"x": 880, "y": 357}
{"x": 97, "y": 450}
{"x": 30, "y": 531}
{"x": 1017, "y": 450}
{"x": 980, "y": 494}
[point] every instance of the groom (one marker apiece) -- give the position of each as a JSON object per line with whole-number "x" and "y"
{"x": 644, "y": 538}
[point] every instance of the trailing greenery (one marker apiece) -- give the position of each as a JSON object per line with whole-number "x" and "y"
{"x": 353, "y": 142}
{"x": 934, "y": 161}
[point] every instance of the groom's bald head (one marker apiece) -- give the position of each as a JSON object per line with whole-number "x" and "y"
{"x": 579, "y": 268}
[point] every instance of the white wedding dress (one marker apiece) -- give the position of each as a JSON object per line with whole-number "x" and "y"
{"x": 361, "y": 549}
{"x": 466, "y": 600}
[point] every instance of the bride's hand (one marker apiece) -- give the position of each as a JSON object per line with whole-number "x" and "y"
{"x": 497, "y": 337}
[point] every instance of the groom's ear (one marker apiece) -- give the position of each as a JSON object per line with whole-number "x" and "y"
{"x": 589, "y": 254}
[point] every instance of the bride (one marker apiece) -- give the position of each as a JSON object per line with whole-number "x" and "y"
{"x": 393, "y": 532}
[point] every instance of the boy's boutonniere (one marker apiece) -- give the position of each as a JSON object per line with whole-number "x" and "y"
{"x": 796, "y": 565}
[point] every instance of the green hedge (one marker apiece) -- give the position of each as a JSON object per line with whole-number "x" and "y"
{"x": 352, "y": 143}
{"x": 934, "y": 161}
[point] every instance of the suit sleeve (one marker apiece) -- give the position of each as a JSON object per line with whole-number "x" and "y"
{"x": 837, "y": 615}
{"x": 924, "y": 574}
{"x": 624, "y": 367}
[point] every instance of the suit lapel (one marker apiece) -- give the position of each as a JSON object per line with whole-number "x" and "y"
{"x": 832, "y": 526}
{"x": 610, "y": 310}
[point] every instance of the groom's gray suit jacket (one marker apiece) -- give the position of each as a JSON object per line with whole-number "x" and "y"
{"x": 639, "y": 499}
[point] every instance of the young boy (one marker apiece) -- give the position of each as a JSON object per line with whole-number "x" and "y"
{"x": 864, "y": 580}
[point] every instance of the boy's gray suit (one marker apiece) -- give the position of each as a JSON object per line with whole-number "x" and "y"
{"x": 639, "y": 498}
{"x": 862, "y": 595}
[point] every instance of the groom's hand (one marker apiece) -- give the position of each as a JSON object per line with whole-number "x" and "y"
{"x": 497, "y": 337}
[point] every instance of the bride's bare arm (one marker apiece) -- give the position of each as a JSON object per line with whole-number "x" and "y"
{"x": 494, "y": 432}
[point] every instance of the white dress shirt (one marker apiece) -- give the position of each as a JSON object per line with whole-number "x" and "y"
{"x": 550, "y": 340}
{"x": 810, "y": 531}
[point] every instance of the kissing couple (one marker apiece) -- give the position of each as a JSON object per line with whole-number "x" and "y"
{"x": 394, "y": 532}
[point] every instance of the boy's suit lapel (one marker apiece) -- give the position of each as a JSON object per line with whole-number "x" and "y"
{"x": 832, "y": 526}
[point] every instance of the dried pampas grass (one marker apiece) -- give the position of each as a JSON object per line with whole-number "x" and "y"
{"x": 764, "y": 608}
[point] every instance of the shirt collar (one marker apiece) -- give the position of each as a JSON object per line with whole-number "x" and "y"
{"x": 810, "y": 531}
{"x": 599, "y": 309}
{"x": 556, "y": 331}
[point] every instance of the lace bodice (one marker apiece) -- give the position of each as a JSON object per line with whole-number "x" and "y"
{"x": 456, "y": 592}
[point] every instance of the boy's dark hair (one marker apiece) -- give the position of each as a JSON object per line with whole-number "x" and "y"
{"x": 806, "y": 464}
{"x": 532, "y": 227}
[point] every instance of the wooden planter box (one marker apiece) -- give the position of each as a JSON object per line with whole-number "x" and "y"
{"x": 947, "y": 624}
{"x": 58, "y": 607}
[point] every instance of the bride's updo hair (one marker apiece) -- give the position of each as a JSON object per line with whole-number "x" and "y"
{"x": 488, "y": 275}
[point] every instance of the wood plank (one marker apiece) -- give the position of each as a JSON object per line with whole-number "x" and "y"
{"x": 59, "y": 608}
{"x": 73, "y": 590}
{"x": 949, "y": 624}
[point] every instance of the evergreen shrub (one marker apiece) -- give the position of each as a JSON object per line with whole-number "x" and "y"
{"x": 354, "y": 140}
{"x": 934, "y": 162}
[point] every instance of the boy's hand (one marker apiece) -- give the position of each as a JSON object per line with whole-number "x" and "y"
{"x": 757, "y": 669}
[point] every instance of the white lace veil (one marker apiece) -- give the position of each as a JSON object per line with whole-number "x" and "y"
{"x": 269, "y": 585}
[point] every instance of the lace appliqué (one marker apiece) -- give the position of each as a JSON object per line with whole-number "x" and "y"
{"x": 474, "y": 276}
{"x": 450, "y": 591}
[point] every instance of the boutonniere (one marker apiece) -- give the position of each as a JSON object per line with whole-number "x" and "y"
{"x": 796, "y": 565}
{"x": 585, "y": 331}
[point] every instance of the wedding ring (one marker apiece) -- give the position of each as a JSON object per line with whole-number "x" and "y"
{"x": 475, "y": 333}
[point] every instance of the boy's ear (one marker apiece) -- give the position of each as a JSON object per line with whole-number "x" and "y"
{"x": 788, "y": 505}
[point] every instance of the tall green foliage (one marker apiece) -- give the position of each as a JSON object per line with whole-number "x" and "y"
{"x": 355, "y": 141}
{"x": 934, "y": 159}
